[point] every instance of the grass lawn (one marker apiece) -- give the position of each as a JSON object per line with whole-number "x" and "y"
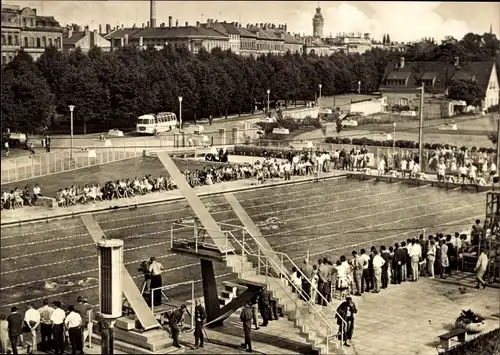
{"x": 101, "y": 174}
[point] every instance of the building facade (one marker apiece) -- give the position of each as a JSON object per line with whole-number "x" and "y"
{"x": 402, "y": 80}
{"x": 194, "y": 38}
{"x": 23, "y": 28}
{"x": 85, "y": 40}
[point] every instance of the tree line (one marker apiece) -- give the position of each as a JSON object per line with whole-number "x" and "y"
{"x": 111, "y": 89}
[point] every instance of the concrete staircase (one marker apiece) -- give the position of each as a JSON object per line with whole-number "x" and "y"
{"x": 316, "y": 323}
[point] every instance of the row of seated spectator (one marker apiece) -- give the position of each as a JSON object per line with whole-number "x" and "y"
{"x": 18, "y": 198}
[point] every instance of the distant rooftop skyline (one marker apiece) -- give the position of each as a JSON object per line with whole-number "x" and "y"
{"x": 404, "y": 21}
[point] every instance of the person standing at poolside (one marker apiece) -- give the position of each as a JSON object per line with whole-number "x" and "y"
{"x": 480, "y": 269}
{"x": 155, "y": 270}
{"x": 199, "y": 316}
{"x": 15, "y": 327}
{"x": 32, "y": 321}
{"x": 445, "y": 263}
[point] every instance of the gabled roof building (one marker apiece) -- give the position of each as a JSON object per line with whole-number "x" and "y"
{"x": 401, "y": 80}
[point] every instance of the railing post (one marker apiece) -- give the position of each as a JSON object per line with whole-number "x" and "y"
{"x": 267, "y": 261}
{"x": 281, "y": 267}
{"x": 152, "y": 300}
{"x": 243, "y": 243}
{"x": 196, "y": 243}
{"x": 192, "y": 304}
{"x": 258, "y": 262}
{"x": 171, "y": 236}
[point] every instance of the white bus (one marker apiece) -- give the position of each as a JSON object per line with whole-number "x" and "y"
{"x": 154, "y": 124}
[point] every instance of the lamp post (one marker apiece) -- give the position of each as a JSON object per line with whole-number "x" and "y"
{"x": 268, "y": 92}
{"x": 180, "y": 113}
{"x": 393, "y": 137}
{"x": 71, "y": 109}
{"x": 421, "y": 129}
{"x": 320, "y": 86}
{"x": 359, "y": 87}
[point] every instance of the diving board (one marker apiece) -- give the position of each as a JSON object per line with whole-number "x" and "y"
{"x": 130, "y": 289}
{"x": 206, "y": 219}
{"x": 254, "y": 231}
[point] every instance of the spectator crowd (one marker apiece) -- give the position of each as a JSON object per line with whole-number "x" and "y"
{"x": 374, "y": 270}
{"x": 48, "y": 328}
{"x": 450, "y": 165}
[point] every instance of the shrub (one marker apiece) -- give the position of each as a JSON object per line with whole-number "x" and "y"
{"x": 405, "y": 144}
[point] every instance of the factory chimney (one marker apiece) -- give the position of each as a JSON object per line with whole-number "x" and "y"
{"x": 152, "y": 14}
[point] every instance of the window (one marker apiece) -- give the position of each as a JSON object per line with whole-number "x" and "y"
{"x": 44, "y": 41}
{"x": 38, "y": 42}
{"x": 9, "y": 40}
{"x": 4, "y": 59}
{"x": 26, "y": 44}
{"x": 50, "y": 42}
{"x": 4, "y": 40}
{"x": 403, "y": 101}
{"x": 16, "y": 40}
{"x": 32, "y": 42}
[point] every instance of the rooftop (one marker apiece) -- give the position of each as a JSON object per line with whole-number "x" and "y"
{"x": 441, "y": 72}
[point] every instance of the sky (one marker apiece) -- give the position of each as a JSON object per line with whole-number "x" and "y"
{"x": 404, "y": 20}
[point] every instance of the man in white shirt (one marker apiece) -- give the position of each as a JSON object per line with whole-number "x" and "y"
{"x": 415, "y": 251}
{"x": 73, "y": 324}
{"x": 378, "y": 262}
{"x": 480, "y": 269}
{"x": 32, "y": 320}
{"x": 57, "y": 318}
{"x": 155, "y": 269}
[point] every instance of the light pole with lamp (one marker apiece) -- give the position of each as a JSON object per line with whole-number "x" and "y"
{"x": 359, "y": 87}
{"x": 71, "y": 109}
{"x": 180, "y": 113}
{"x": 268, "y": 92}
{"x": 320, "y": 86}
{"x": 393, "y": 137}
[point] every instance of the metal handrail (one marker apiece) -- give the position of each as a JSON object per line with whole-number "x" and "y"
{"x": 300, "y": 292}
{"x": 288, "y": 259}
{"x": 280, "y": 268}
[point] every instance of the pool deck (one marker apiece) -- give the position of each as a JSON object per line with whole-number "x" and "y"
{"x": 402, "y": 319}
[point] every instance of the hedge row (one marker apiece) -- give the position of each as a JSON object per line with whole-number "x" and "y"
{"x": 273, "y": 152}
{"x": 400, "y": 144}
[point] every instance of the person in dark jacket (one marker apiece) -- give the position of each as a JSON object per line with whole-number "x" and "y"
{"x": 246, "y": 319}
{"x": 399, "y": 263}
{"x": 384, "y": 253}
{"x": 346, "y": 312}
{"x": 15, "y": 321}
{"x": 264, "y": 307}
{"x": 199, "y": 317}
{"x": 176, "y": 317}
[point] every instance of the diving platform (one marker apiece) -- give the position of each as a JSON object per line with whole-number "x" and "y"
{"x": 206, "y": 219}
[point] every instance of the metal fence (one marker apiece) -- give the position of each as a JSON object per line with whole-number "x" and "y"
{"x": 89, "y": 153}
